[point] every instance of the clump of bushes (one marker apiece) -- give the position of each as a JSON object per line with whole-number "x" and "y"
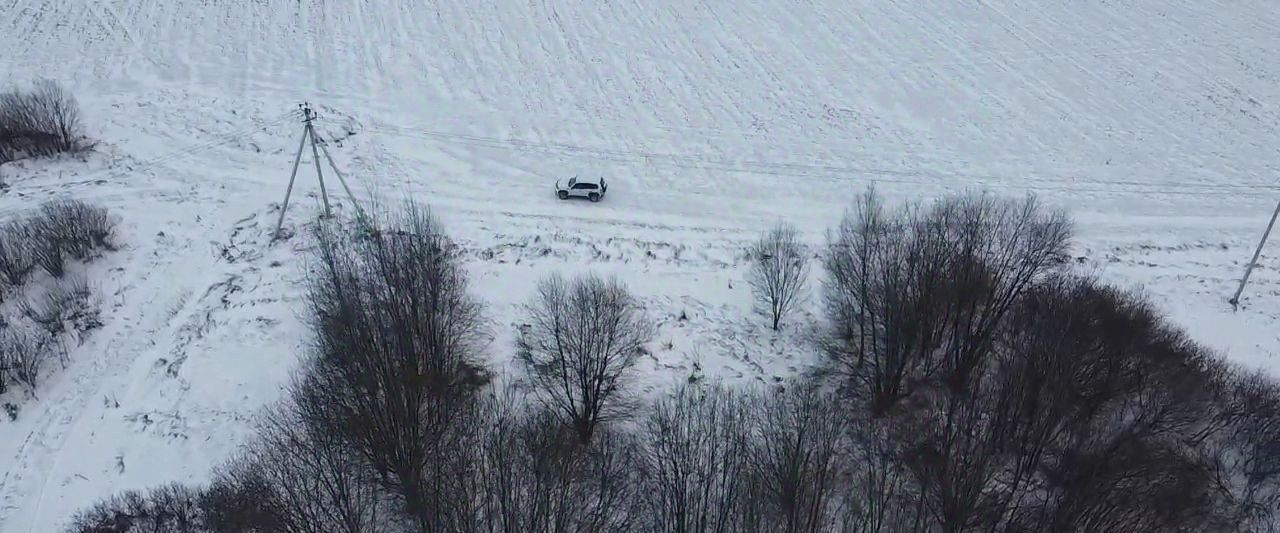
{"x": 60, "y": 230}
{"x": 32, "y": 336}
{"x": 39, "y": 122}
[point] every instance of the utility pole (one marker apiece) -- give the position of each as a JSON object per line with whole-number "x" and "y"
{"x": 317, "y": 144}
{"x": 1248, "y": 269}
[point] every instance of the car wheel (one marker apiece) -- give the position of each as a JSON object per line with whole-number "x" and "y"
{"x": 564, "y": 195}
{"x": 594, "y": 197}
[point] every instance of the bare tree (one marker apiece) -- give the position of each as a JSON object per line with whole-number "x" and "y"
{"x": 696, "y": 459}
{"x": 779, "y": 271}
{"x": 796, "y": 459}
{"x": 989, "y": 391}
{"x": 611, "y": 477}
{"x": 303, "y": 481}
{"x": 584, "y": 335}
{"x": 1246, "y": 453}
{"x": 880, "y": 495}
{"x": 535, "y": 476}
{"x": 916, "y": 296}
{"x": 395, "y": 369}
{"x": 525, "y": 470}
{"x": 171, "y": 508}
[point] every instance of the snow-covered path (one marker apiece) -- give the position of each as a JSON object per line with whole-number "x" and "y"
{"x": 1155, "y": 123}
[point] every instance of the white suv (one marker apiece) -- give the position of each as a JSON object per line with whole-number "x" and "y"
{"x": 590, "y": 188}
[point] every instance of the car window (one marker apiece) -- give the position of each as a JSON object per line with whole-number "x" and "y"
{"x": 585, "y": 186}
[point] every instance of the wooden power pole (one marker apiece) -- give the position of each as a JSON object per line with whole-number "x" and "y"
{"x": 1248, "y": 269}
{"x": 317, "y": 145}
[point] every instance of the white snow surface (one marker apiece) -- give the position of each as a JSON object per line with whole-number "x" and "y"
{"x": 1153, "y": 122}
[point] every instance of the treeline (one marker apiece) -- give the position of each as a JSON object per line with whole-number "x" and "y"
{"x": 972, "y": 382}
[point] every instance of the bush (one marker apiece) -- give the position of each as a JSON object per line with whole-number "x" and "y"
{"x": 583, "y": 337}
{"x": 60, "y": 229}
{"x": 39, "y": 123}
{"x": 47, "y": 252}
{"x": 67, "y": 302}
{"x": 23, "y": 353}
{"x": 68, "y": 226}
{"x": 76, "y": 228}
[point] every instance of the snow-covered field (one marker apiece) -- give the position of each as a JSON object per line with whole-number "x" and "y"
{"x": 1154, "y": 122}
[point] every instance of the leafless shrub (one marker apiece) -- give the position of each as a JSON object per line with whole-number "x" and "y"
{"x": 68, "y": 301}
{"x": 16, "y": 260}
{"x": 47, "y": 252}
{"x": 779, "y": 271}
{"x": 172, "y": 508}
{"x": 61, "y": 229}
{"x": 395, "y": 370}
{"x": 1246, "y": 453}
{"x": 39, "y": 123}
{"x": 584, "y": 336}
{"x": 697, "y": 461}
{"x": 75, "y": 227}
{"x": 23, "y": 353}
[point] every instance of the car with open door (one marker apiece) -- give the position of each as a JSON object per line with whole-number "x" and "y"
{"x": 590, "y": 188}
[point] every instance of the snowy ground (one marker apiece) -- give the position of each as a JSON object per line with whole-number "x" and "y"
{"x": 1154, "y": 122}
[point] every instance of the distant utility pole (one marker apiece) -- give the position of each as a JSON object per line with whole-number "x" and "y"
{"x": 317, "y": 145}
{"x": 1248, "y": 269}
